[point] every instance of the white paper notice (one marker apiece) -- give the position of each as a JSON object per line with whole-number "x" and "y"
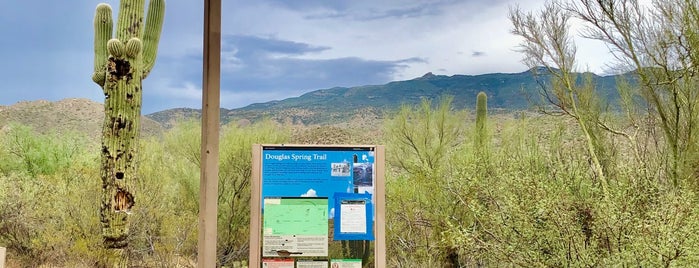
{"x": 353, "y": 218}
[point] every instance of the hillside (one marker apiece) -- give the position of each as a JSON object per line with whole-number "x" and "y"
{"x": 506, "y": 92}
{"x": 81, "y": 115}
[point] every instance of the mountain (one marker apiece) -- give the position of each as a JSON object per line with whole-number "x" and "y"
{"x": 359, "y": 106}
{"x": 506, "y": 92}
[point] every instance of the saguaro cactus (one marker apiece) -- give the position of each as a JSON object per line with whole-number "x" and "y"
{"x": 121, "y": 64}
{"x": 481, "y": 117}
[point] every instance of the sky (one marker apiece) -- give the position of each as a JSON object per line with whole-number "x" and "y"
{"x": 271, "y": 49}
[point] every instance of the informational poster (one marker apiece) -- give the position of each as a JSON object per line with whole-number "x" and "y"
{"x": 353, "y": 216}
{"x": 317, "y": 205}
{"x": 295, "y": 226}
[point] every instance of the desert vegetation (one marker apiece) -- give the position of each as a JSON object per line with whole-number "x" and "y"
{"x": 530, "y": 197}
{"x": 576, "y": 183}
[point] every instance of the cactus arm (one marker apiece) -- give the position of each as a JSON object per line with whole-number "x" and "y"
{"x": 103, "y": 32}
{"x": 130, "y": 21}
{"x": 151, "y": 35}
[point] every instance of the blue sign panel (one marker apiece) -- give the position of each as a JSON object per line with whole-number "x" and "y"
{"x": 301, "y": 172}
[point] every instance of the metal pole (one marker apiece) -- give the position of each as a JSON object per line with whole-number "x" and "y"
{"x": 208, "y": 184}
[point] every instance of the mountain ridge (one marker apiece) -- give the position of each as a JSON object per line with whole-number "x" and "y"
{"x": 329, "y": 106}
{"x": 506, "y": 92}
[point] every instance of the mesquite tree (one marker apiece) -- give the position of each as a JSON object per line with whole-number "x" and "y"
{"x": 121, "y": 64}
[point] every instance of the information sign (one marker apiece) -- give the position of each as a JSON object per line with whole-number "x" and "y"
{"x": 316, "y": 203}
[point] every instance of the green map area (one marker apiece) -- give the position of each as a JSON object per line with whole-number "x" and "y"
{"x": 296, "y": 216}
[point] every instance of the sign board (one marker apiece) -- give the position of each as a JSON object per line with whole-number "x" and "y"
{"x": 317, "y": 206}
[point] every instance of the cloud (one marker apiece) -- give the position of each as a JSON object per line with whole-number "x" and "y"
{"x": 267, "y": 45}
{"x": 310, "y": 193}
{"x": 360, "y": 10}
{"x": 271, "y": 49}
{"x": 259, "y": 69}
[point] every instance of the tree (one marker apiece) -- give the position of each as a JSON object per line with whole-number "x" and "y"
{"x": 121, "y": 64}
{"x": 421, "y": 141}
{"x": 660, "y": 44}
{"x": 548, "y": 43}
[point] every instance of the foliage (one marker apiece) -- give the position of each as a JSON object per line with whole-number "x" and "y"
{"x": 548, "y": 43}
{"x": 47, "y": 211}
{"x": 35, "y": 154}
{"x": 660, "y": 43}
{"x": 421, "y": 138}
{"x": 420, "y": 141}
{"x": 534, "y": 204}
{"x": 537, "y": 205}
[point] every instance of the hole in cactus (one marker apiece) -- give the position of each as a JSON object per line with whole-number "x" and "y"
{"x": 129, "y": 96}
{"x": 120, "y": 175}
{"x": 119, "y": 69}
{"x": 120, "y": 123}
{"x": 123, "y": 200}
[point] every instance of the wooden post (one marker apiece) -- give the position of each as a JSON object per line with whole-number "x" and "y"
{"x": 380, "y": 193}
{"x": 2, "y": 257}
{"x": 255, "y": 207}
{"x": 208, "y": 184}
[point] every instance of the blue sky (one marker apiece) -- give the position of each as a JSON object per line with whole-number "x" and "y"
{"x": 271, "y": 49}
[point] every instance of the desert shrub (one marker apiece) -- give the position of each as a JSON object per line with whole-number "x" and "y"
{"x": 26, "y": 151}
{"x": 420, "y": 141}
{"x": 542, "y": 206}
{"x": 47, "y": 212}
